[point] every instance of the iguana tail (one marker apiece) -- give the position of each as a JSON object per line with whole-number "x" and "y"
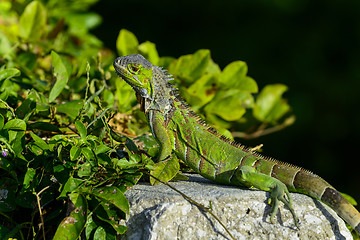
{"x": 311, "y": 184}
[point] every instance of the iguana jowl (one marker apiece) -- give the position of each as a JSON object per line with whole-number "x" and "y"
{"x": 181, "y": 134}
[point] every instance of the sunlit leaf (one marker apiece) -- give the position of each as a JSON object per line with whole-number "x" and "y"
{"x": 148, "y": 50}
{"x": 74, "y": 153}
{"x": 100, "y": 233}
{"x": 269, "y": 105}
{"x": 81, "y": 23}
{"x": 29, "y": 177}
{"x": 39, "y": 141}
{"x": 71, "y": 185}
{"x": 165, "y": 170}
{"x": 126, "y": 43}
{"x": 61, "y": 74}
{"x": 201, "y": 92}
{"x": 107, "y": 213}
{"x": 88, "y": 154}
{"x": 191, "y": 67}
{"x": 16, "y": 125}
{"x": 71, "y": 108}
{"x": 112, "y": 195}
{"x": 72, "y": 226}
{"x": 81, "y": 128}
{"x": 8, "y": 73}
{"x": 234, "y": 76}
{"x": 230, "y": 105}
{"x": 33, "y": 21}
{"x": 125, "y": 96}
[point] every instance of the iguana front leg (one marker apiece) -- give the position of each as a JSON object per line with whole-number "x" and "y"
{"x": 168, "y": 164}
{"x": 164, "y": 137}
{"x": 250, "y": 177}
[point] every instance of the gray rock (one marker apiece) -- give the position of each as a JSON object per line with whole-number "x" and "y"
{"x": 158, "y": 212}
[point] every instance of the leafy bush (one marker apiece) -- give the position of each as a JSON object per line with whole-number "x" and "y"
{"x": 66, "y": 119}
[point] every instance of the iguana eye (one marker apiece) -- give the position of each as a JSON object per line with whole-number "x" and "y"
{"x": 133, "y": 68}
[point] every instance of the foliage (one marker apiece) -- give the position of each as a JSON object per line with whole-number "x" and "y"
{"x": 62, "y": 160}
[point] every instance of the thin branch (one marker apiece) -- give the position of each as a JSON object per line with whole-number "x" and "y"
{"x": 40, "y": 211}
{"x": 262, "y": 130}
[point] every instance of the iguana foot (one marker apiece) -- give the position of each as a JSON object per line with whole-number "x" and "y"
{"x": 280, "y": 192}
{"x": 250, "y": 177}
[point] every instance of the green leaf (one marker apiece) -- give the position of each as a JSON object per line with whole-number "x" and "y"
{"x": 147, "y": 140}
{"x": 33, "y": 21}
{"x": 17, "y": 141}
{"x": 26, "y": 109}
{"x": 81, "y": 128}
{"x": 269, "y": 105}
{"x": 100, "y": 233}
{"x": 148, "y": 50}
{"x": 165, "y": 170}
{"x": 84, "y": 170}
{"x": 16, "y": 125}
{"x": 102, "y": 148}
{"x": 125, "y": 95}
{"x": 126, "y": 43}
{"x": 71, "y": 108}
{"x": 5, "y": 46}
{"x": 230, "y": 105}
{"x": 70, "y": 185}
{"x": 61, "y": 75}
{"x": 191, "y": 67}
{"x": 72, "y": 226}
{"x": 29, "y": 177}
{"x": 234, "y": 77}
{"x": 39, "y": 142}
{"x": 201, "y": 92}
{"x": 8, "y": 73}
{"x": 213, "y": 68}
{"x": 27, "y": 60}
{"x": 80, "y": 23}
{"x": 91, "y": 225}
{"x": 166, "y": 61}
{"x": 112, "y": 195}
{"x": 88, "y": 154}
{"x": 75, "y": 153}
{"x": 109, "y": 214}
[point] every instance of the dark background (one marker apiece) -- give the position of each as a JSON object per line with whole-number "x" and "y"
{"x": 311, "y": 46}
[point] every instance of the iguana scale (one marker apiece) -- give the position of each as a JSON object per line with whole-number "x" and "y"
{"x": 183, "y": 135}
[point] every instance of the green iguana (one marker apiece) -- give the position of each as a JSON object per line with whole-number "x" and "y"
{"x": 183, "y": 135}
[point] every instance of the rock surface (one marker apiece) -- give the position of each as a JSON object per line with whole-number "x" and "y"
{"x": 158, "y": 212}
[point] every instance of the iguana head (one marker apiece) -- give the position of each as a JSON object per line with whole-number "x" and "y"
{"x": 136, "y": 71}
